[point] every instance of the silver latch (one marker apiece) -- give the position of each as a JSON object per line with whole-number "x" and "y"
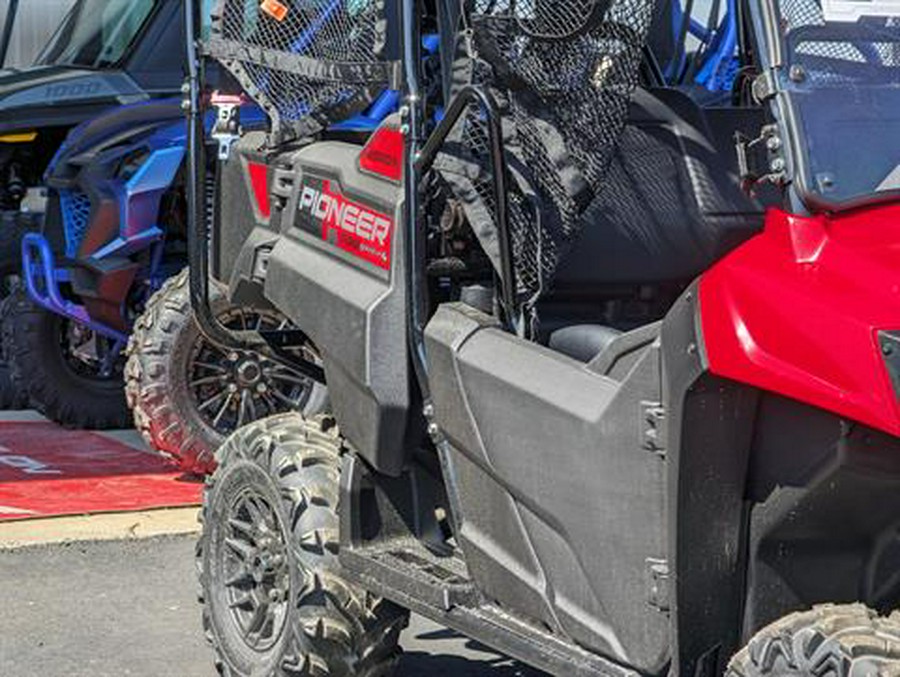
{"x": 227, "y": 128}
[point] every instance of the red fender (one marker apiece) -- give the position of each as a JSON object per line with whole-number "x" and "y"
{"x": 796, "y": 311}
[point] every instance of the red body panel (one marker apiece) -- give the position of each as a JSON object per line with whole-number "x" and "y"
{"x": 259, "y": 182}
{"x": 796, "y": 311}
{"x": 383, "y": 153}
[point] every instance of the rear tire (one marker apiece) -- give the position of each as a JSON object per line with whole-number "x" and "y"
{"x": 40, "y": 368}
{"x": 162, "y": 353}
{"x": 283, "y": 472}
{"x": 830, "y": 640}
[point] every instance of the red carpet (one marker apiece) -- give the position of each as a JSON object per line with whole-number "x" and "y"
{"x": 46, "y": 470}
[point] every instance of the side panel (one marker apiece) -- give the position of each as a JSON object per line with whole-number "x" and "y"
{"x": 351, "y": 307}
{"x": 562, "y": 502}
{"x": 243, "y": 211}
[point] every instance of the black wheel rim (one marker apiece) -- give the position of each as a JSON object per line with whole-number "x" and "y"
{"x": 256, "y": 570}
{"x": 231, "y": 388}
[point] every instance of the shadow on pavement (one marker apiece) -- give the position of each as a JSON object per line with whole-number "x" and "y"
{"x": 445, "y": 653}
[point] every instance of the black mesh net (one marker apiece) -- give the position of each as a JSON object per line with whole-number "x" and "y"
{"x": 306, "y": 62}
{"x": 563, "y": 74}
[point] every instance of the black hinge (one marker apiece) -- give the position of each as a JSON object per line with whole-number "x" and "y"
{"x": 658, "y": 583}
{"x": 760, "y": 160}
{"x": 653, "y": 425}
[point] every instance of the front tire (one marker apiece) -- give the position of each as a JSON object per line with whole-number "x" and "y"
{"x": 831, "y": 640}
{"x": 50, "y": 360}
{"x": 12, "y": 394}
{"x": 274, "y": 602}
{"x": 173, "y": 373}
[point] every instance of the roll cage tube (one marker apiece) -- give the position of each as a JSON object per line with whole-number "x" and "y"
{"x": 270, "y": 344}
{"x": 12, "y": 11}
{"x": 418, "y": 159}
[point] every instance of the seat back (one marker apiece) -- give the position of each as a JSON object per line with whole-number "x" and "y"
{"x": 672, "y": 203}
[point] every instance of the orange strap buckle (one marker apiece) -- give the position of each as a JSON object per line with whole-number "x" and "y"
{"x": 275, "y": 9}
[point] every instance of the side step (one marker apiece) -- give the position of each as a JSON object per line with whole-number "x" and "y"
{"x": 438, "y": 588}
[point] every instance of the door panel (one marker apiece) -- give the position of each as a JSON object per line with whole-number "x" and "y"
{"x": 549, "y": 458}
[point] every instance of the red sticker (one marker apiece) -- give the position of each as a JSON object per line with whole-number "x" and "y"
{"x": 350, "y": 226}
{"x": 275, "y": 9}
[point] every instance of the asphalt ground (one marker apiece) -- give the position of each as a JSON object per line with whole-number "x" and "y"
{"x": 114, "y": 595}
{"x": 128, "y": 608}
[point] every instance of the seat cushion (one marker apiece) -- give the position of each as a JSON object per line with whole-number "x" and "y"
{"x": 583, "y": 341}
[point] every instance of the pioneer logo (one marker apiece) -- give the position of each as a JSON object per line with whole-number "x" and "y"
{"x": 336, "y": 212}
{"x": 353, "y": 227}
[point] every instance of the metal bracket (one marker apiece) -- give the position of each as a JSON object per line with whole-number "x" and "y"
{"x": 764, "y": 86}
{"x": 653, "y": 426}
{"x": 227, "y": 129}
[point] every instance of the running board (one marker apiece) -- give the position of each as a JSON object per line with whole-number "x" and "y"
{"x": 404, "y": 572}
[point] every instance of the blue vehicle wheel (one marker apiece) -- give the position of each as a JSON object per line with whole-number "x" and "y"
{"x": 70, "y": 374}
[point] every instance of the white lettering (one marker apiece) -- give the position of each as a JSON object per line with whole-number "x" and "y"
{"x": 320, "y": 209}
{"x": 351, "y": 215}
{"x": 307, "y": 197}
{"x": 28, "y": 465}
{"x": 364, "y": 227}
{"x": 382, "y": 229}
{"x": 353, "y": 218}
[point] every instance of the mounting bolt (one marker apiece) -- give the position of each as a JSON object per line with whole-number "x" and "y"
{"x": 773, "y": 143}
{"x": 428, "y": 411}
{"x": 232, "y": 388}
{"x": 796, "y": 73}
{"x": 185, "y": 87}
{"x": 404, "y": 129}
{"x": 233, "y": 356}
{"x": 887, "y": 349}
{"x": 261, "y": 388}
{"x": 777, "y": 165}
{"x": 433, "y": 430}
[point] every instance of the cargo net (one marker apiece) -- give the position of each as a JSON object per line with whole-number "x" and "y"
{"x": 307, "y": 63}
{"x": 563, "y": 74}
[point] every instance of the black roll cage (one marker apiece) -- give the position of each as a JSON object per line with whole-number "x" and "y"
{"x": 419, "y": 157}
{"x": 12, "y": 11}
